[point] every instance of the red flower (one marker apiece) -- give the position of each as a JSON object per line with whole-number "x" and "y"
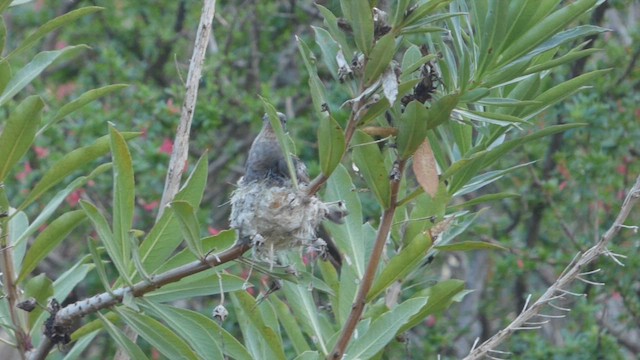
{"x": 74, "y": 197}
{"x": 24, "y": 173}
{"x": 41, "y": 152}
{"x": 213, "y": 231}
{"x": 166, "y": 147}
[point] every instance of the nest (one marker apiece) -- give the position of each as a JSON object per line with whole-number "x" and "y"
{"x": 275, "y": 218}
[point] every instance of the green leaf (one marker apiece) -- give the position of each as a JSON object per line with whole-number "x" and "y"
{"x": 51, "y": 237}
{"x": 544, "y": 29}
{"x": 40, "y": 288}
{"x": 291, "y": 325}
{"x": 331, "y": 22}
{"x": 205, "y": 283}
{"x": 123, "y": 194}
{"x": 384, "y": 329}
{"x": 196, "y": 329}
{"x": 315, "y": 85}
{"x": 440, "y": 297}
{"x": 412, "y": 129}
{"x": 423, "y": 10}
{"x": 245, "y": 304}
{"x": 348, "y": 237}
{"x": 80, "y": 345}
{"x": 97, "y": 261}
{"x": 222, "y": 241}
{"x": 400, "y": 265}
{"x": 158, "y": 335}
{"x": 280, "y": 136}
{"x": 470, "y": 246}
{"x": 381, "y": 55}
{"x": 5, "y": 75}
{"x": 68, "y": 164}
{"x": 122, "y": 340}
{"x": 491, "y": 118}
{"x": 200, "y": 331}
{"x": 30, "y": 71}
{"x": 189, "y": 226}
{"x": 329, "y": 48}
{"x": 484, "y": 199}
{"x": 440, "y": 111}
{"x": 81, "y": 101}
{"x": 301, "y": 301}
{"x": 164, "y": 237}
{"x": 66, "y": 282}
{"x": 369, "y": 160}
{"x": 106, "y": 236}
{"x": 359, "y": 14}
{"x": 52, "y": 25}
{"x": 331, "y": 144}
{"x": 59, "y": 197}
{"x": 18, "y": 133}
{"x": 3, "y": 38}
{"x": 309, "y": 355}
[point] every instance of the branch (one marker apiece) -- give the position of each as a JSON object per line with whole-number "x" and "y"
{"x": 96, "y": 303}
{"x": 181, "y": 143}
{"x": 372, "y": 267}
{"x": 558, "y": 289}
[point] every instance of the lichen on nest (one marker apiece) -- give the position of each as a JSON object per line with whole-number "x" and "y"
{"x": 275, "y": 217}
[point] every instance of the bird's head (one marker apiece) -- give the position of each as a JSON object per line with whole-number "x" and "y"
{"x": 281, "y": 116}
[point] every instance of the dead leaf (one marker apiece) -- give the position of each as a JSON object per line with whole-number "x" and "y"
{"x": 424, "y": 166}
{"x": 390, "y": 85}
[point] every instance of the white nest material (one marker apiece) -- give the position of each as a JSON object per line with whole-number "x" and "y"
{"x": 275, "y": 217}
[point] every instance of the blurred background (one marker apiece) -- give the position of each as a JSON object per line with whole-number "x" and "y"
{"x": 568, "y": 197}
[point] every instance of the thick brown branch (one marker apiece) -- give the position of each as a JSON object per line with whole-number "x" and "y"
{"x": 369, "y": 275}
{"x": 96, "y": 303}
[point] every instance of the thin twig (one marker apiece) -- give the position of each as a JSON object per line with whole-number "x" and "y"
{"x": 181, "y": 144}
{"x": 572, "y": 271}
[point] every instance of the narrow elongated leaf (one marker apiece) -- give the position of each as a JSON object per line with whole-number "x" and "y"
{"x": 303, "y": 306}
{"x": 423, "y": 10}
{"x": 384, "y": 329}
{"x": 370, "y": 162}
{"x": 122, "y": 340}
{"x": 97, "y": 261}
{"x": 348, "y": 236}
{"x": 5, "y": 75}
{"x": 158, "y": 335}
{"x": 440, "y": 111}
{"x": 164, "y": 237}
{"x": 106, "y": 236}
{"x": 291, "y": 325}
{"x": 51, "y": 25}
{"x": 400, "y": 265}
{"x": 68, "y": 164}
{"x": 41, "y": 289}
{"x": 247, "y": 305}
{"x": 361, "y": 18}
{"x": 123, "y": 194}
{"x": 200, "y": 331}
{"x": 469, "y": 246}
{"x": 331, "y": 144}
{"x": 484, "y": 199}
{"x": 51, "y": 237}
{"x": 440, "y": 297}
{"x": 189, "y": 226}
{"x": 205, "y": 283}
{"x": 30, "y": 71}
{"x": 315, "y": 85}
{"x": 18, "y": 225}
{"x": 66, "y": 282}
{"x": 412, "y": 129}
{"x": 81, "y": 101}
{"x": 18, "y": 133}
{"x": 276, "y": 125}
{"x": 380, "y": 57}
{"x": 331, "y": 22}
{"x": 53, "y": 204}
{"x": 80, "y": 345}
{"x": 545, "y": 29}
{"x": 197, "y": 330}
{"x": 329, "y": 48}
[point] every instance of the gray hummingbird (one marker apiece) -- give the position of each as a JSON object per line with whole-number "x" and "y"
{"x": 266, "y": 160}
